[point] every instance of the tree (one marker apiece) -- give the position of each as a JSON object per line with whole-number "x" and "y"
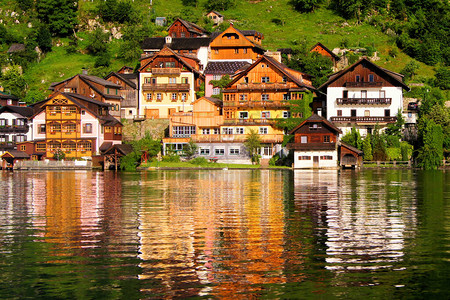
{"x": 190, "y": 2}
{"x": 59, "y": 15}
{"x": 190, "y": 149}
{"x": 443, "y": 78}
{"x": 146, "y": 147}
{"x": 367, "y": 148}
{"x": 220, "y": 4}
{"x": 379, "y": 147}
{"x": 395, "y": 129}
{"x": 410, "y": 69}
{"x": 252, "y": 144}
{"x": 313, "y": 64}
{"x": 353, "y": 138}
{"x": 44, "y": 38}
{"x": 98, "y": 42}
{"x": 13, "y": 81}
{"x": 305, "y": 5}
{"x": 430, "y": 155}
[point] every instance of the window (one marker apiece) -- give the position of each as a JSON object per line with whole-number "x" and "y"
{"x": 83, "y": 112}
{"x": 174, "y": 97}
{"x": 170, "y": 64}
{"x": 41, "y": 147}
{"x": 234, "y": 151}
{"x": 216, "y": 91}
{"x": 245, "y": 50}
{"x": 284, "y": 79}
{"x": 339, "y": 113}
{"x": 286, "y": 97}
{"x": 205, "y": 131}
{"x": 3, "y": 138}
{"x": 68, "y": 110}
{"x": 265, "y": 97}
{"x": 236, "y": 51}
{"x": 185, "y": 80}
{"x": 358, "y": 78}
{"x": 371, "y": 78}
{"x": 183, "y": 97}
{"x": 108, "y": 129}
{"x": 263, "y": 130}
{"x": 303, "y": 139}
{"x": 55, "y": 127}
{"x": 158, "y": 97}
{"x": 387, "y": 113}
{"x": 286, "y": 114}
{"x": 219, "y": 151}
{"x": 314, "y": 126}
{"x": 243, "y": 97}
{"x": 227, "y": 130}
{"x": 216, "y": 51}
{"x": 367, "y": 113}
{"x": 409, "y": 114}
{"x": 326, "y": 157}
{"x": 3, "y": 122}
{"x": 183, "y": 131}
{"x": 172, "y": 80}
{"x": 217, "y": 77}
{"x": 216, "y": 131}
{"x": 382, "y": 94}
{"x": 353, "y": 112}
{"x": 204, "y": 151}
{"x": 363, "y": 94}
{"x": 345, "y": 94}
{"x": 265, "y": 79}
{"x": 84, "y": 146}
{"x": 87, "y": 128}
{"x": 183, "y": 35}
{"x": 326, "y": 138}
{"x": 41, "y": 128}
{"x": 149, "y": 97}
{"x": 265, "y": 114}
{"x": 245, "y": 79}
{"x": 20, "y": 138}
{"x": 23, "y": 148}
{"x": 239, "y": 130}
{"x": 243, "y": 115}
{"x": 304, "y": 158}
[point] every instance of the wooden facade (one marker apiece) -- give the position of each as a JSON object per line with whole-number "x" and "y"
{"x": 324, "y": 51}
{"x": 233, "y": 44}
{"x": 128, "y": 92}
{"x": 184, "y": 29}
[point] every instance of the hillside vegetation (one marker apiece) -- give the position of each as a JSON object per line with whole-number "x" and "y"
{"x": 102, "y": 36}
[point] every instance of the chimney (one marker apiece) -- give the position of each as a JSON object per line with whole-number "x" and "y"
{"x": 319, "y": 112}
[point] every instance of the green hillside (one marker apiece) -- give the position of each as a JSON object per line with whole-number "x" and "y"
{"x": 281, "y": 25}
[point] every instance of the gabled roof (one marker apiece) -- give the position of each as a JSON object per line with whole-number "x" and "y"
{"x": 326, "y": 49}
{"x": 16, "y": 48}
{"x": 124, "y": 68}
{"x": 314, "y": 119}
{"x": 244, "y": 33}
{"x": 214, "y": 101}
{"x": 16, "y": 154}
{"x": 86, "y": 78}
{"x": 4, "y": 95}
{"x": 21, "y": 110}
{"x": 397, "y": 78}
{"x": 279, "y": 66}
{"x": 124, "y": 78}
{"x": 351, "y": 148}
{"x": 191, "y": 27}
{"x": 167, "y": 51}
{"x": 123, "y": 149}
{"x": 215, "y": 12}
{"x": 224, "y": 67}
{"x": 177, "y": 43}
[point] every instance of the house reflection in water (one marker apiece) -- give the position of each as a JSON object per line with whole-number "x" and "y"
{"x": 223, "y": 230}
{"x": 366, "y": 221}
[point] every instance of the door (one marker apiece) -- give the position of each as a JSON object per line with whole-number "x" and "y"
{"x": 172, "y": 111}
{"x": 315, "y": 161}
{"x": 151, "y": 113}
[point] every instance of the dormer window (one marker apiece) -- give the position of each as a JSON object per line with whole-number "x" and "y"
{"x": 371, "y": 78}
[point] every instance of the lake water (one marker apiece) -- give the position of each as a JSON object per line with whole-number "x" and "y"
{"x": 225, "y": 234}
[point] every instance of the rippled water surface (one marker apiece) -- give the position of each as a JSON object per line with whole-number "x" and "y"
{"x": 225, "y": 234}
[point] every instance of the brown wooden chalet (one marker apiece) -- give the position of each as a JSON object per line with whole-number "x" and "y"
{"x": 9, "y": 158}
{"x": 7, "y": 99}
{"x": 315, "y": 133}
{"x": 128, "y": 92}
{"x": 185, "y": 46}
{"x": 92, "y": 87}
{"x": 266, "y": 84}
{"x": 350, "y": 156}
{"x": 324, "y": 51}
{"x": 181, "y": 28}
{"x": 234, "y": 44}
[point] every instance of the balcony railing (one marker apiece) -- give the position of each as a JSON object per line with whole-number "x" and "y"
{"x": 364, "y": 119}
{"x": 369, "y": 101}
{"x": 263, "y": 86}
{"x": 225, "y": 138}
{"x": 249, "y": 121}
{"x": 14, "y": 128}
{"x": 166, "y": 71}
{"x": 363, "y": 84}
{"x": 246, "y": 103}
{"x": 180, "y": 87}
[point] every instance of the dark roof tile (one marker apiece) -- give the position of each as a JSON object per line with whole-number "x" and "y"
{"x": 225, "y": 67}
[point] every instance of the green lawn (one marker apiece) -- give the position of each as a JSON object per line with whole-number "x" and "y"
{"x": 164, "y": 164}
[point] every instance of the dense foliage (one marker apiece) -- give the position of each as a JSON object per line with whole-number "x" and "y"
{"x": 59, "y": 15}
{"x": 146, "y": 146}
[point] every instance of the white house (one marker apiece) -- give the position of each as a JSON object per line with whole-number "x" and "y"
{"x": 14, "y": 127}
{"x": 362, "y": 96}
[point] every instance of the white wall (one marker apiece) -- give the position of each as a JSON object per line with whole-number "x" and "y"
{"x": 309, "y": 164}
{"x": 10, "y": 116}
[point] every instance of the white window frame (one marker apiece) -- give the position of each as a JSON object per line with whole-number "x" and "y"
{"x": 234, "y": 151}
{"x": 263, "y": 130}
{"x": 264, "y": 97}
{"x": 239, "y": 130}
{"x": 219, "y": 151}
{"x": 243, "y": 115}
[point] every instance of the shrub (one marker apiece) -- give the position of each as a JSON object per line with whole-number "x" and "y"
{"x": 199, "y": 161}
{"x": 274, "y": 160}
{"x": 171, "y": 158}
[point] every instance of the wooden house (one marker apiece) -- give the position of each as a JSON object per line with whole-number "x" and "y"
{"x": 181, "y": 28}
{"x": 215, "y": 17}
{"x": 350, "y": 157}
{"x": 129, "y": 91}
{"x": 74, "y": 124}
{"x": 192, "y": 47}
{"x": 7, "y": 99}
{"x": 315, "y": 144}
{"x": 92, "y": 87}
{"x": 363, "y": 95}
{"x": 168, "y": 83}
{"x": 10, "y": 157}
{"x": 215, "y": 70}
{"x": 324, "y": 51}
{"x": 235, "y": 44}
{"x": 256, "y": 98}
{"x": 14, "y": 126}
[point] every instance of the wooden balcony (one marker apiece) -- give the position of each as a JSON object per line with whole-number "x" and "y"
{"x": 249, "y": 121}
{"x": 175, "y": 87}
{"x": 255, "y": 104}
{"x": 364, "y": 101}
{"x": 166, "y": 71}
{"x": 266, "y": 86}
{"x": 234, "y": 138}
{"x": 363, "y": 119}
{"x": 14, "y": 129}
{"x": 363, "y": 84}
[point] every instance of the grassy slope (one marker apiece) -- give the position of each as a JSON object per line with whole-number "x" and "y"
{"x": 322, "y": 25}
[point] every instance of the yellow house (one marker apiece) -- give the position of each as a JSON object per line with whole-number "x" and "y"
{"x": 168, "y": 84}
